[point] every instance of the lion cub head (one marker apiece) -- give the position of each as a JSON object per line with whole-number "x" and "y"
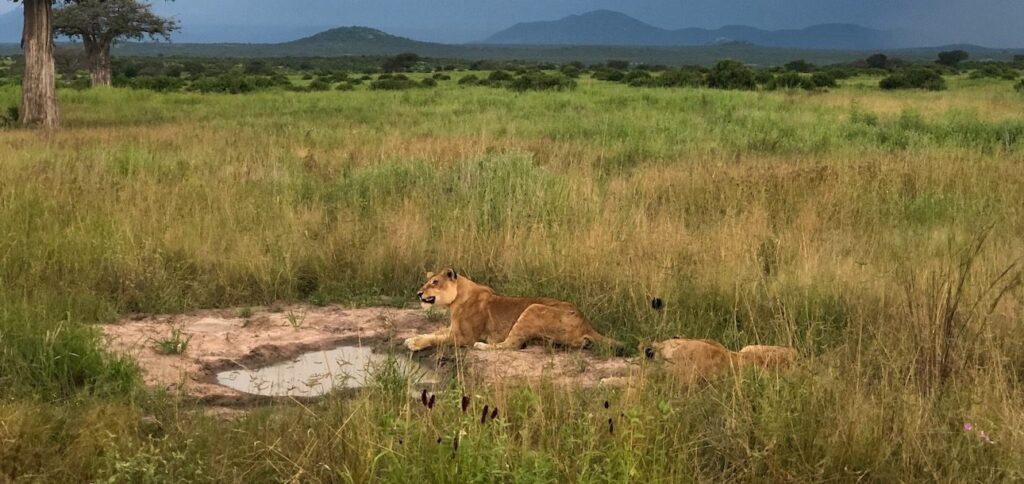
{"x": 441, "y": 289}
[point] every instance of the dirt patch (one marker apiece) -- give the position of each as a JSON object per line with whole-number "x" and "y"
{"x": 246, "y": 339}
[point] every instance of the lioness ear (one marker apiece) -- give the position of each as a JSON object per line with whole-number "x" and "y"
{"x": 430, "y": 274}
{"x": 452, "y": 275}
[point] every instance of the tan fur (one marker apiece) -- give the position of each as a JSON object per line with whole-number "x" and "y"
{"x": 694, "y": 361}
{"x": 768, "y": 357}
{"x": 479, "y": 315}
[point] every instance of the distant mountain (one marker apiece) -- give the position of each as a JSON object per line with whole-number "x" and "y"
{"x": 10, "y": 26}
{"x": 362, "y": 40}
{"x": 346, "y": 41}
{"x": 605, "y": 27}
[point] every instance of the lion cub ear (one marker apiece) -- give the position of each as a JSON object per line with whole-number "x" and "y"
{"x": 430, "y": 274}
{"x": 452, "y": 275}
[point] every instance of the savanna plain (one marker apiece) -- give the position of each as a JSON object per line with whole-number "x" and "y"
{"x": 879, "y": 233}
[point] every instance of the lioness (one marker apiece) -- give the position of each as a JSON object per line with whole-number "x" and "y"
{"x": 480, "y": 316}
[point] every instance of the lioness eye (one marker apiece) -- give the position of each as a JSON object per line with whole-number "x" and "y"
{"x": 434, "y": 282}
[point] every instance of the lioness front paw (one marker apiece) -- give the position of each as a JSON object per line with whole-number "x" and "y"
{"x": 482, "y": 346}
{"x": 417, "y": 343}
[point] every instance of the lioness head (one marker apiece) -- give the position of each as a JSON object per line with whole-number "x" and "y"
{"x": 440, "y": 289}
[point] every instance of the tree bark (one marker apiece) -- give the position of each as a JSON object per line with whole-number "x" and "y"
{"x": 98, "y": 54}
{"x": 39, "y": 85}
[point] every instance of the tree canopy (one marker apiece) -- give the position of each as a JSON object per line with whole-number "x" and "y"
{"x": 111, "y": 20}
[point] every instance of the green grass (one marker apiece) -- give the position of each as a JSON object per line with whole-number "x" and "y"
{"x": 834, "y": 222}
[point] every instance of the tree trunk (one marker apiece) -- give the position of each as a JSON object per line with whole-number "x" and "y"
{"x": 39, "y": 85}
{"x": 98, "y": 53}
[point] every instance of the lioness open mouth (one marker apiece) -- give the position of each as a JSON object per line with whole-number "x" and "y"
{"x": 429, "y": 300}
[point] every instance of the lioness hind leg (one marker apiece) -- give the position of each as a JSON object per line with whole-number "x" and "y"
{"x": 560, "y": 326}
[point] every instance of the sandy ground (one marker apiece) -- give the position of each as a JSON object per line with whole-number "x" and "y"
{"x": 223, "y": 339}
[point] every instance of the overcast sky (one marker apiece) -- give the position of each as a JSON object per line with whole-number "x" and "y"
{"x": 996, "y": 23}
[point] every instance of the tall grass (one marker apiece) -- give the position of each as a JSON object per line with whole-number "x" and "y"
{"x": 834, "y": 222}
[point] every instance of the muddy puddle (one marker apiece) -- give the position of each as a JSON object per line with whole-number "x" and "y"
{"x": 243, "y": 356}
{"x": 317, "y": 373}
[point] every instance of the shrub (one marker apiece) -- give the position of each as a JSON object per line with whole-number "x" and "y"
{"x": 638, "y": 78}
{"x": 571, "y": 71}
{"x": 605, "y": 74}
{"x": 679, "y": 78}
{"x": 401, "y": 62}
{"x": 319, "y": 85}
{"x": 470, "y": 80}
{"x": 9, "y": 118}
{"x": 397, "y": 82}
{"x": 918, "y": 78}
{"x": 1020, "y": 86}
{"x": 799, "y": 66}
{"x": 344, "y": 86}
{"x": 789, "y": 80}
{"x": 441, "y": 77}
{"x": 540, "y": 81}
{"x": 730, "y": 74}
{"x": 823, "y": 80}
{"x": 429, "y": 82}
{"x": 499, "y": 76}
{"x": 763, "y": 77}
{"x": 159, "y": 83}
{"x": 619, "y": 65}
{"x": 994, "y": 71}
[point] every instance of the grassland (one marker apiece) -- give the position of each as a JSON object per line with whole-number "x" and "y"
{"x": 876, "y": 232}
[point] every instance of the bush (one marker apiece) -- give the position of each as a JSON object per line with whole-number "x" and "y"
{"x": 638, "y": 78}
{"x": 319, "y": 85}
{"x": 619, "y": 65}
{"x": 730, "y": 74}
{"x": 159, "y": 83}
{"x": 571, "y": 71}
{"x": 994, "y": 71}
{"x": 1020, "y": 86}
{"x": 441, "y": 77}
{"x": 9, "y": 117}
{"x": 918, "y": 78}
{"x": 401, "y": 62}
{"x": 428, "y": 82}
{"x": 823, "y": 80}
{"x": 606, "y": 74}
{"x": 789, "y": 80}
{"x": 396, "y": 82}
{"x": 344, "y": 86}
{"x": 540, "y": 81}
{"x": 799, "y": 66}
{"x": 470, "y": 80}
{"x": 679, "y": 78}
{"x": 499, "y": 76}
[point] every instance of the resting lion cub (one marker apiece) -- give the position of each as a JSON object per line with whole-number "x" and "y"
{"x": 480, "y": 316}
{"x": 696, "y": 360}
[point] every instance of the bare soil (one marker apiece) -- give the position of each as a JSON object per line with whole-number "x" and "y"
{"x": 223, "y": 339}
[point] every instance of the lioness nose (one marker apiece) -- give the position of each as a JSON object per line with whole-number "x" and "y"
{"x": 419, "y": 294}
{"x": 649, "y": 353}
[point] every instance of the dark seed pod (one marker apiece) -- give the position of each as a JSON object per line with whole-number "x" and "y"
{"x": 606, "y": 404}
{"x": 657, "y": 304}
{"x": 455, "y": 444}
{"x": 465, "y": 403}
{"x": 423, "y": 397}
{"x": 611, "y": 427}
{"x": 439, "y": 440}
{"x": 430, "y": 404}
{"x": 483, "y": 416}
{"x": 494, "y": 413}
